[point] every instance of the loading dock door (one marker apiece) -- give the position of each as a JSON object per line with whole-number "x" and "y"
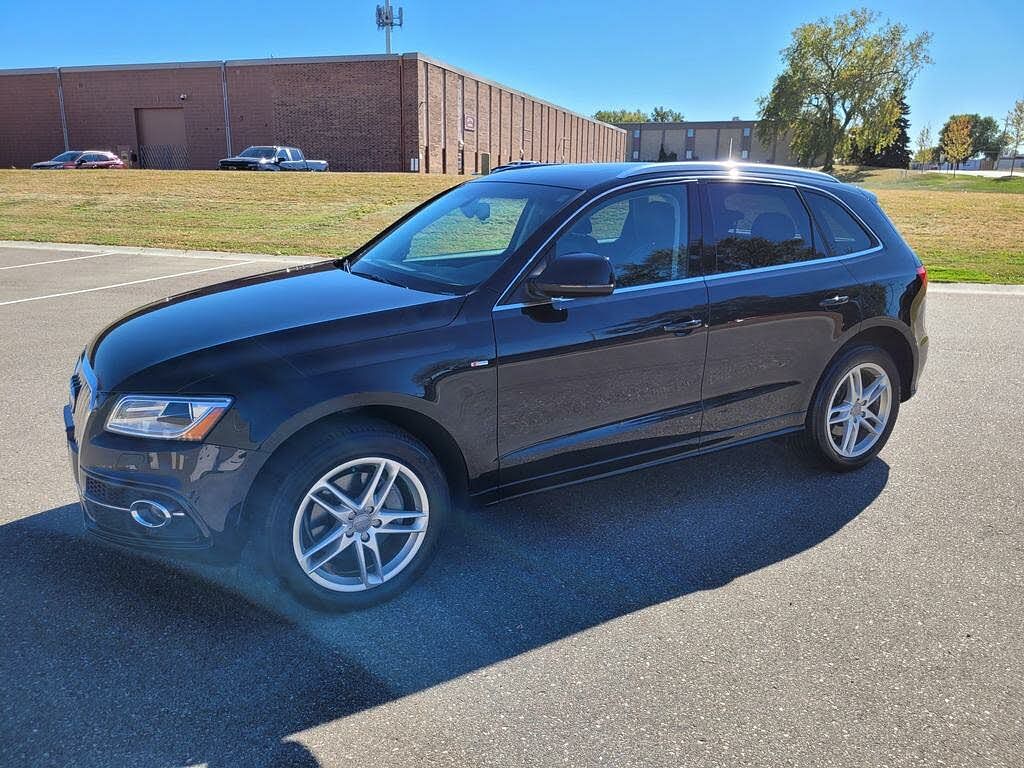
{"x": 161, "y": 134}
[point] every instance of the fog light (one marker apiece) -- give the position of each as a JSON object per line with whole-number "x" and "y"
{"x": 150, "y": 514}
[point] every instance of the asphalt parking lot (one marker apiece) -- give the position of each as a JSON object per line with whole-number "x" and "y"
{"x": 737, "y": 609}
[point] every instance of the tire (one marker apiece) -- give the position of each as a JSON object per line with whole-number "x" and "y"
{"x": 308, "y": 517}
{"x": 825, "y": 444}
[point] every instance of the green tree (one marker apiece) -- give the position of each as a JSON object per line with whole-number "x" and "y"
{"x": 925, "y": 150}
{"x": 842, "y": 73}
{"x": 896, "y": 154}
{"x": 666, "y": 115}
{"x": 986, "y": 136}
{"x": 956, "y": 140}
{"x": 1015, "y": 130}
{"x": 622, "y": 116}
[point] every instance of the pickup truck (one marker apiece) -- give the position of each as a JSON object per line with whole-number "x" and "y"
{"x": 271, "y": 159}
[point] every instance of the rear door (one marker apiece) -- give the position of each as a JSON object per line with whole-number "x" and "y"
{"x": 779, "y": 303}
{"x": 592, "y": 385}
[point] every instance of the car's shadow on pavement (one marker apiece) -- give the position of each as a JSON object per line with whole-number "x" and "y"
{"x": 112, "y": 659}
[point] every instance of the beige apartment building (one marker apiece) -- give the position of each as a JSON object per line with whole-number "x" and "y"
{"x": 710, "y": 140}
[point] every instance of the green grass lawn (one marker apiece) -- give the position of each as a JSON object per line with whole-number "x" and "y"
{"x": 964, "y": 228}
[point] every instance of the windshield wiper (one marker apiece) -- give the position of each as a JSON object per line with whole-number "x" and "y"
{"x": 378, "y": 278}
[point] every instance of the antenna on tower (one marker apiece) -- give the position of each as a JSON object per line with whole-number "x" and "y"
{"x": 387, "y": 19}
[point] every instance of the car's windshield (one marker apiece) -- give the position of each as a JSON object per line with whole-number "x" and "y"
{"x": 258, "y": 152}
{"x": 461, "y": 238}
{"x": 66, "y": 157}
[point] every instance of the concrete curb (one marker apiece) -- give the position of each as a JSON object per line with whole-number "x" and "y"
{"x": 977, "y": 289}
{"x": 132, "y": 250}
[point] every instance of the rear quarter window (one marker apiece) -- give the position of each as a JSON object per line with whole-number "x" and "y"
{"x": 841, "y": 232}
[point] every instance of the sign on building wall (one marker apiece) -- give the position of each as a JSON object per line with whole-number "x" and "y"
{"x": 469, "y": 122}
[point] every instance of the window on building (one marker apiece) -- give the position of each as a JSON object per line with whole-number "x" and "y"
{"x": 758, "y": 225}
{"x": 744, "y": 154}
{"x": 636, "y": 133}
{"x": 746, "y": 131}
{"x": 636, "y": 154}
{"x": 840, "y": 230}
{"x": 643, "y": 233}
{"x": 689, "y": 154}
{"x": 689, "y": 133}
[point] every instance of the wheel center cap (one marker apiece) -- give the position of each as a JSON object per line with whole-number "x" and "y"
{"x": 362, "y": 522}
{"x": 857, "y": 409}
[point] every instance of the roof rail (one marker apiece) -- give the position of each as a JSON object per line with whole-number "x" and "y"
{"x": 519, "y": 164}
{"x": 696, "y": 166}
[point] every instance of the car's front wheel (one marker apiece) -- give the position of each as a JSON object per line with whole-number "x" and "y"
{"x": 357, "y": 515}
{"x": 854, "y": 410}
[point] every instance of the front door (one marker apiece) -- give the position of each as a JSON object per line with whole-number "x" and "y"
{"x": 780, "y": 301}
{"x": 592, "y": 385}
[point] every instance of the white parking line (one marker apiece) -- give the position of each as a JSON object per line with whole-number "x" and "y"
{"x": 121, "y": 285}
{"x": 58, "y": 261}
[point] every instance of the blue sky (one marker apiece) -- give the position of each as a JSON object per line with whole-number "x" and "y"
{"x": 711, "y": 60}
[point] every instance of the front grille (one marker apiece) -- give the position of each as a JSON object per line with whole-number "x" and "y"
{"x": 81, "y": 409}
{"x": 76, "y": 387}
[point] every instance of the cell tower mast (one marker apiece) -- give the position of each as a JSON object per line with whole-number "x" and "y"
{"x": 386, "y": 19}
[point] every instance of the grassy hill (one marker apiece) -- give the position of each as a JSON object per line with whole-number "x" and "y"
{"x": 964, "y": 228}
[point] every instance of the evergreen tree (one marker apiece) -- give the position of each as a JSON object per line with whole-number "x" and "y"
{"x": 895, "y": 155}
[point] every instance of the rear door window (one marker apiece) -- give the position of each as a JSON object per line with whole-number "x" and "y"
{"x": 842, "y": 233}
{"x": 758, "y": 225}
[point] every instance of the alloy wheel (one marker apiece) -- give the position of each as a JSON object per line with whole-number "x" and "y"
{"x": 859, "y": 410}
{"x": 360, "y": 524}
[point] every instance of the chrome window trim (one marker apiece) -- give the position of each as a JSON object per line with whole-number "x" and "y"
{"x": 776, "y": 267}
{"x": 739, "y": 176}
{"x": 618, "y": 291}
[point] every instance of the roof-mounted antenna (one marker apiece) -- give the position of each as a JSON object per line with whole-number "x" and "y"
{"x": 386, "y": 19}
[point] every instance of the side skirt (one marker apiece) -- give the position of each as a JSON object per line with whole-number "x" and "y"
{"x": 496, "y": 496}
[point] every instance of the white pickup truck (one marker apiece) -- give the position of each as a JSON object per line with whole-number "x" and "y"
{"x": 271, "y": 159}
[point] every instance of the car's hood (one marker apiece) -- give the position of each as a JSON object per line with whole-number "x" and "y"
{"x": 240, "y": 159}
{"x": 189, "y": 335}
{"x": 47, "y": 164}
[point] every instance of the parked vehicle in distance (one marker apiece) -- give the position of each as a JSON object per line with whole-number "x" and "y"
{"x": 513, "y": 334}
{"x": 271, "y": 159}
{"x": 75, "y": 159}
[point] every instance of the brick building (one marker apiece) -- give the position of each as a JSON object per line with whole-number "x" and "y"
{"x": 713, "y": 140}
{"x": 402, "y": 112}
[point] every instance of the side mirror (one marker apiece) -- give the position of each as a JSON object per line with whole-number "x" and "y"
{"x": 280, "y": 159}
{"x": 574, "y": 275}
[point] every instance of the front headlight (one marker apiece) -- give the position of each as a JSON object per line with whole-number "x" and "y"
{"x": 167, "y": 418}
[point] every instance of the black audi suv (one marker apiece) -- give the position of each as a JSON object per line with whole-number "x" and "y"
{"x": 545, "y": 326}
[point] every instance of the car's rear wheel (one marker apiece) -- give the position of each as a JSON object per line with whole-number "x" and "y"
{"x": 854, "y": 410}
{"x": 357, "y": 516}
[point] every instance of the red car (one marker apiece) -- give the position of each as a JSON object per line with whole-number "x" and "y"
{"x": 79, "y": 159}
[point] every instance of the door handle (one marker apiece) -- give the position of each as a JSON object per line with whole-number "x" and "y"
{"x": 834, "y": 301}
{"x": 684, "y": 326}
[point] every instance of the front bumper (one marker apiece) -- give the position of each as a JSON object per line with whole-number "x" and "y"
{"x": 200, "y": 488}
